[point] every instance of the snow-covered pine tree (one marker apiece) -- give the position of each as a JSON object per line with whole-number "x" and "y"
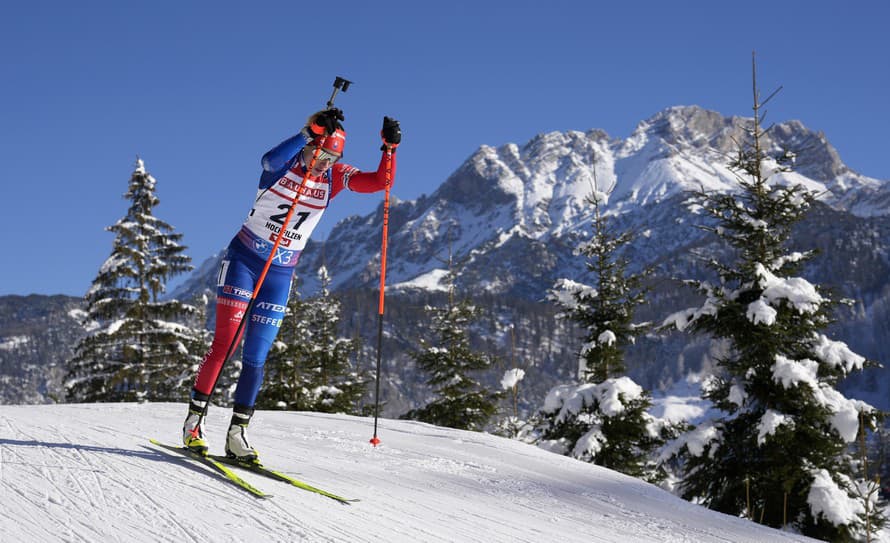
{"x": 450, "y": 364}
{"x": 780, "y": 452}
{"x": 139, "y": 348}
{"x": 309, "y": 368}
{"x": 604, "y": 419}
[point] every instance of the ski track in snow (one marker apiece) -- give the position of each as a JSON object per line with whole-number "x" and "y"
{"x": 88, "y": 473}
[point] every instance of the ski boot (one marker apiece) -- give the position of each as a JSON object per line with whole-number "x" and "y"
{"x": 237, "y": 446}
{"x": 193, "y": 428}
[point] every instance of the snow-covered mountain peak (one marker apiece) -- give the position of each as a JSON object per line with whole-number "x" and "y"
{"x": 503, "y": 202}
{"x": 547, "y": 179}
{"x": 690, "y": 123}
{"x": 538, "y": 190}
{"x": 688, "y": 147}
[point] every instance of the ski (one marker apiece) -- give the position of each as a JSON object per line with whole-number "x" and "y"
{"x": 218, "y": 467}
{"x": 260, "y": 469}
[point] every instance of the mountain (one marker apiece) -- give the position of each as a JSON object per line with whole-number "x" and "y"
{"x": 517, "y": 210}
{"x": 37, "y": 335}
{"x": 87, "y": 472}
{"x": 512, "y": 215}
{"x": 535, "y": 193}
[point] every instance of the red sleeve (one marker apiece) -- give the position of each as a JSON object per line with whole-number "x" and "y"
{"x": 350, "y": 177}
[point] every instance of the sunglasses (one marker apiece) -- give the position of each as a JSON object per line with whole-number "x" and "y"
{"x": 323, "y": 155}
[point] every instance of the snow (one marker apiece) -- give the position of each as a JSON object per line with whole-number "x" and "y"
{"x": 600, "y": 197}
{"x": 682, "y": 319}
{"x": 837, "y": 354}
{"x": 673, "y": 408}
{"x": 115, "y": 326}
{"x": 682, "y": 402}
{"x": 769, "y": 423}
{"x": 828, "y": 500}
{"x": 607, "y": 338}
{"x": 760, "y": 312}
{"x": 845, "y": 412}
{"x": 433, "y": 281}
{"x": 799, "y": 292}
{"x": 86, "y": 472}
{"x": 590, "y": 444}
{"x": 13, "y": 342}
{"x": 612, "y": 391}
{"x": 567, "y": 292}
{"x": 793, "y": 372}
{"x": 78, "y": 314}
{"x": 571, "y": 400}
{"x": 737, "y": 395}
{"x": 511, "y": 378}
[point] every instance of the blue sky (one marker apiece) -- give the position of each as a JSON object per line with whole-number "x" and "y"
{"x": 200, "y": 90}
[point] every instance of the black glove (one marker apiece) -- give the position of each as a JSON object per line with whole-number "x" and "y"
{"x": 323, "y": 123}
{"x": 391, "y": 133}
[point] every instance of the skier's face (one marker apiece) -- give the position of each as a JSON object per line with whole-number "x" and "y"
{"x": 323, "y": 161}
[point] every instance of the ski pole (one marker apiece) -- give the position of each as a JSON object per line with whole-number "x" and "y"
{"x": 338, "y": 83}
{"x": 375, "y": 440}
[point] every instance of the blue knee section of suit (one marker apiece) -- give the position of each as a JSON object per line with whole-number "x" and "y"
{"x": 249, "y": 383}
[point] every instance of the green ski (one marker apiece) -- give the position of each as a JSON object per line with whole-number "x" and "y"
{"x": 218, "y": 467}
{"x": 259, "y": 469}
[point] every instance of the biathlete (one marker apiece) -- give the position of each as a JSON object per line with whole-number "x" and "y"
{"x": 284, "y": 168}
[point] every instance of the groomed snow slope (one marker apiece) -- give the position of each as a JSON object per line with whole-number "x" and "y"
{"x": 88, "y": 473}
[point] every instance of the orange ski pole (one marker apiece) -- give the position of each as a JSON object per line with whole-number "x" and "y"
{"x": 375, "y": 440}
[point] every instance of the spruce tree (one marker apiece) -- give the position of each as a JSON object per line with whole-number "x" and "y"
{"x": 309, "y": 368}
{"x": 779, "y": 453}
{"x": 604, "y": 418}
{"x": 139, "y": 347}
{"x": 451, "y": 366}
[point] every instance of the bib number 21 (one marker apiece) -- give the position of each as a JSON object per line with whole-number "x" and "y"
{"x": 279, "y": 219}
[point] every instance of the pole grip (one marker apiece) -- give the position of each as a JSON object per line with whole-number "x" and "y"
{"x": 385, "y": 243}
{"x": 339, "y": 84}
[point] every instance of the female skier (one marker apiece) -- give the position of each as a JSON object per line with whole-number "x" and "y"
{"x": 284, "y": 168}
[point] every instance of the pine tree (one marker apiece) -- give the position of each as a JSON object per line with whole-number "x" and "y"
{"x": 604, "y": 419}
{"x": 450, "y": 363}
{"x": 604, "y": 311}
{"x": 780, "y": 452}
{"x": 139, "y": 348}
{"x": 309, "y": 368}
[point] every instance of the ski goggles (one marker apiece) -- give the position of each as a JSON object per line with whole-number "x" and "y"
{"x": 326, "y": 156}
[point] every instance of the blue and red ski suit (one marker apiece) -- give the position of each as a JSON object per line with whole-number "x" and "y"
{"x": 283, "y": 172}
